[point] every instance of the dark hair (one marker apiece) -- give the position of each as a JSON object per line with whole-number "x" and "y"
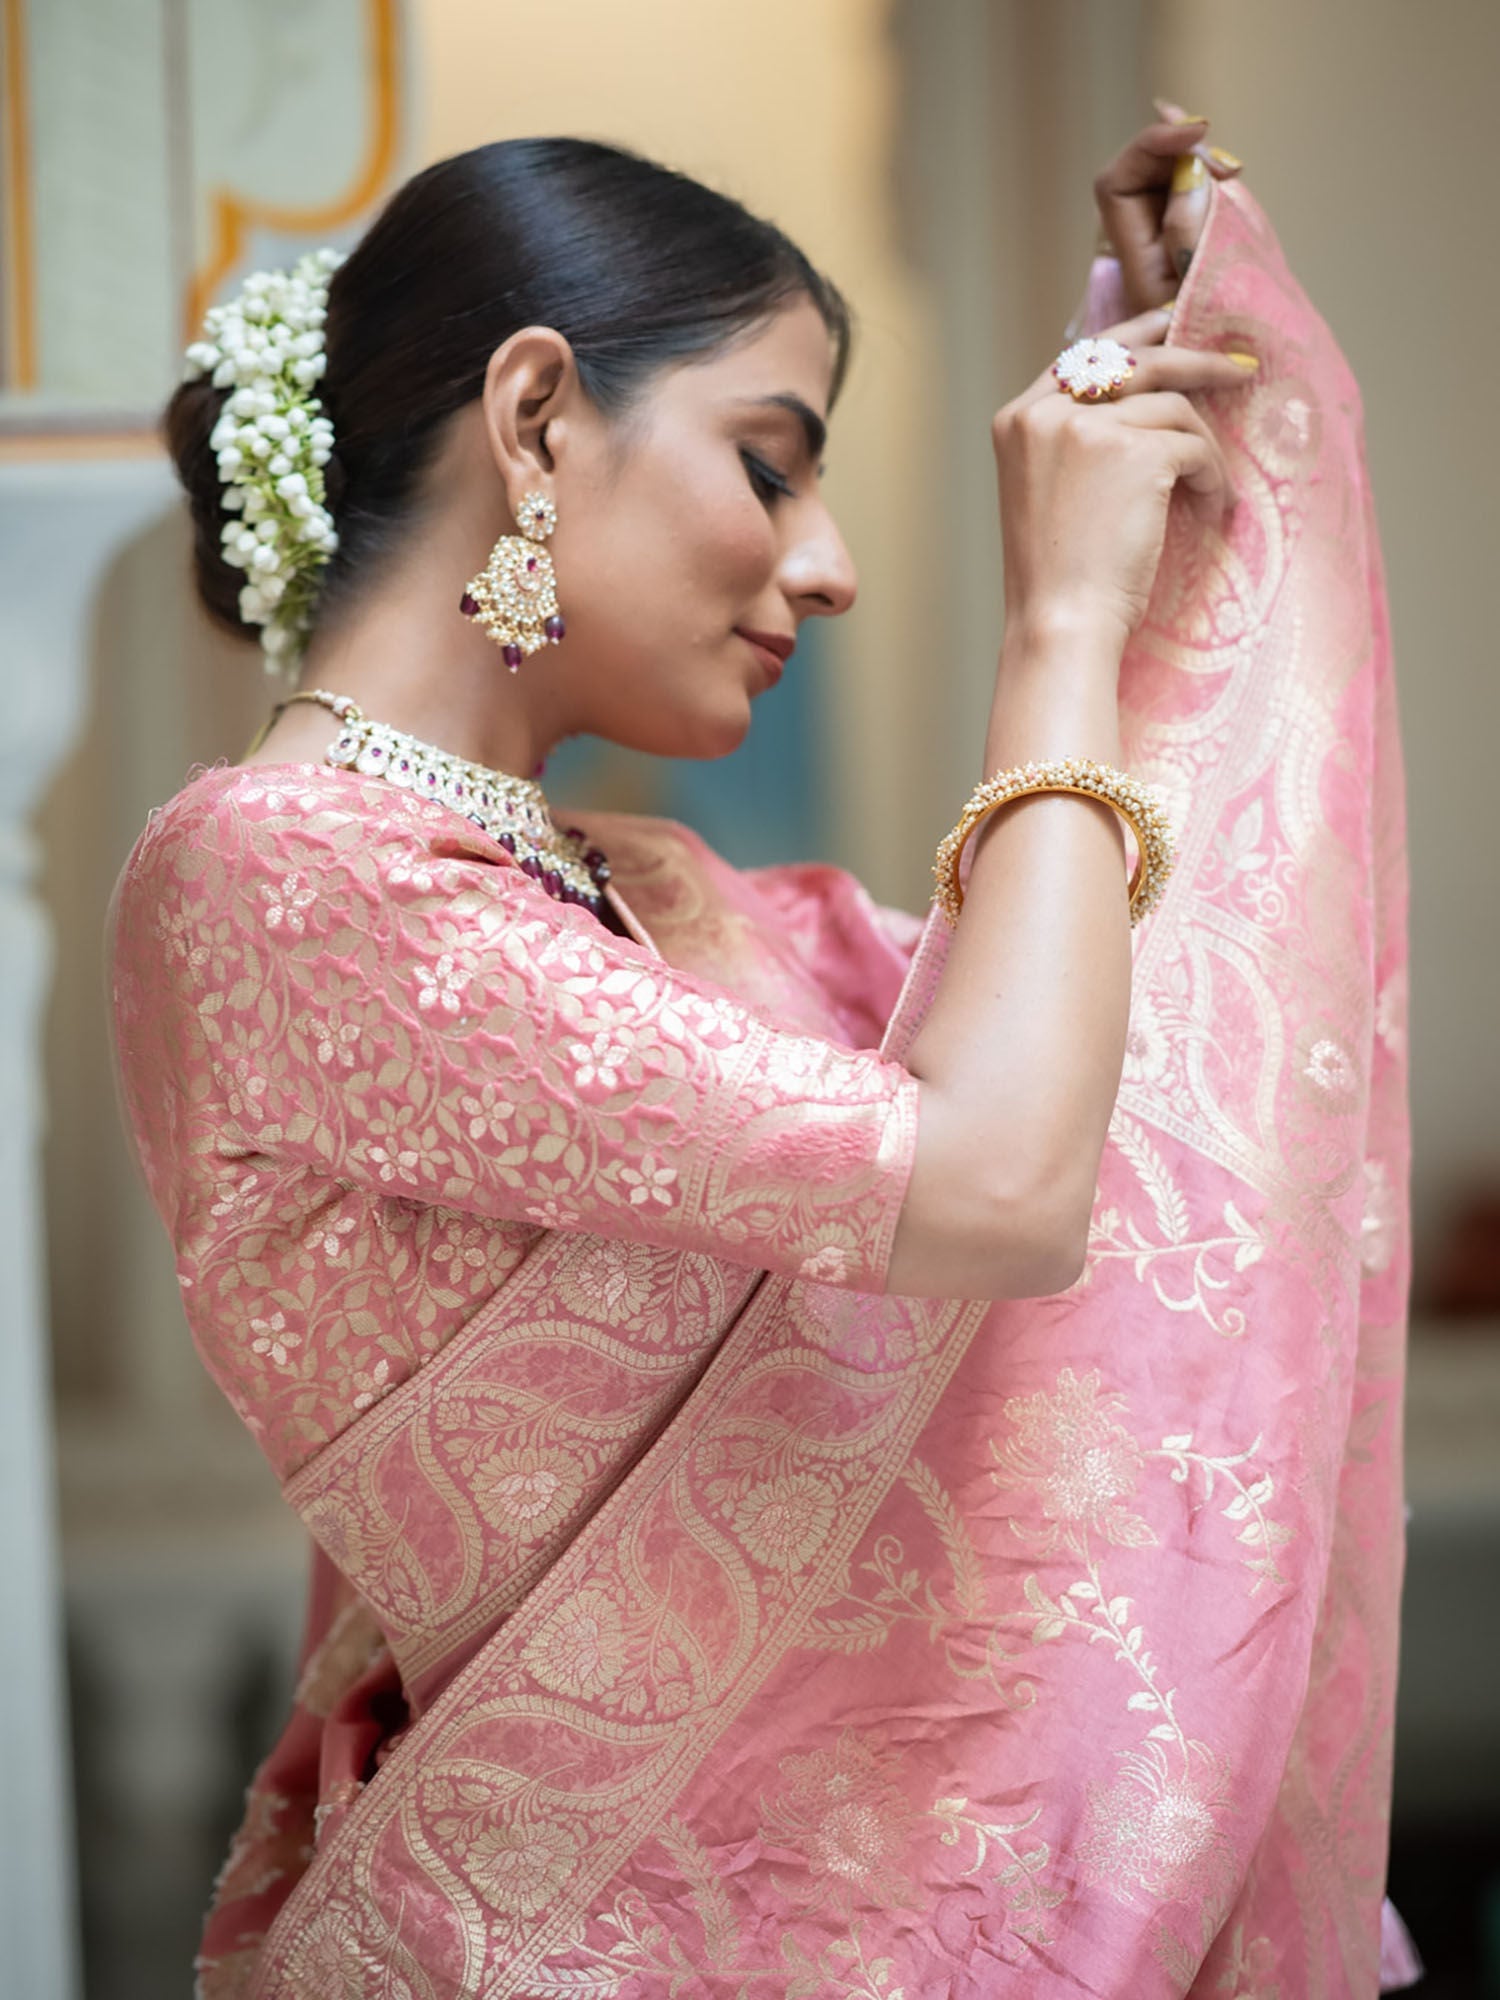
{"x": 635, "y": 265}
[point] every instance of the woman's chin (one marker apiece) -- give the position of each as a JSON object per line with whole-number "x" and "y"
{"x": 721, "y": 734}
{"x": 700, "y": 735}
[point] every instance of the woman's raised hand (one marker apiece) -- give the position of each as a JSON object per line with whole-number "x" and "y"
{"x": 1084, "y": 486}
{"x": 1153, "y": 201}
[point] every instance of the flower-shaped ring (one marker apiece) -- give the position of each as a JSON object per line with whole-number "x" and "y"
{"x": 1094, "y": 371}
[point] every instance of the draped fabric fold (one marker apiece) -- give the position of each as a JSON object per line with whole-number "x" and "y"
{"x": 690, "y": 1614}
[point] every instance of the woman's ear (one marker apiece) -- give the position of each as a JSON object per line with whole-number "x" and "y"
{"x": 529, "y": 382}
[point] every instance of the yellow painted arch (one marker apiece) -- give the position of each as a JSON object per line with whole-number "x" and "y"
{"x": 233, "y": 216}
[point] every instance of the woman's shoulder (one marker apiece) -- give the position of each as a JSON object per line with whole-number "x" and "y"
{"x": 224, "y": 795}
{"x": 229, "y": 818}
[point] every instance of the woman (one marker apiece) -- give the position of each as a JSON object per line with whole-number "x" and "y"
{"x": 612, "y": 1255}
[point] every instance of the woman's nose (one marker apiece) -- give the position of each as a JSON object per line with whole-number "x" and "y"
{"x": 819, "y": 571}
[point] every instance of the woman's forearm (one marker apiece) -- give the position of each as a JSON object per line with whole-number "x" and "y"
{"x": 1019, "y": 1056}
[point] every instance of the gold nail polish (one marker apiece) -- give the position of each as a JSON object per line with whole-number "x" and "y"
{"x": 1225, "y": 159}
{"x": 1189, "y": 118}
{"x": 1246, "y": 361}
{"x": 1189, "y": 173}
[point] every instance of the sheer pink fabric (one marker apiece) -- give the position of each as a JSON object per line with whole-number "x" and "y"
{"x": 690, "y": 1615}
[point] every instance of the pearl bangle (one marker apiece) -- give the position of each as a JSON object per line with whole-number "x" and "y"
{"x": 1138, "y": 805}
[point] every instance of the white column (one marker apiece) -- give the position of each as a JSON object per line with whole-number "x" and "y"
{"x": 59, "y": 526}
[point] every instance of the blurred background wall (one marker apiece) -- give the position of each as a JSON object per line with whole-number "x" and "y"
{"x": 935, "y": 156}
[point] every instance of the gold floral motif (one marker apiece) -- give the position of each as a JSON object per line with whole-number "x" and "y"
{"x": 518, "y": 1866}
{"x": 1159, "y": 1832}
{"x": 613, "y": 1280}
{"x": 581, "y": 1649}
{"x": 328, "y": 1962}
{"x": 1082, "y": 1465}
{"x": 524, "y": 1491}
{"x": 843, "y": 1813}
{"x": 1283, "y": 425}
{"x": 1191, "y": 1270}
{"x": 783, "y": 1521}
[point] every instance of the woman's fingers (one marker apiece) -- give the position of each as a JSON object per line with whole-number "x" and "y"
{"x": 1131, "y": 194}
{"x": 1142, "y": 335}
{"x": 1146, "y": 329}
{"x": 1188, "y": 369}
{"x": 1194, "y": 454}
{"x": 1157, "y": 367}
{"x": 1153, "y": 198}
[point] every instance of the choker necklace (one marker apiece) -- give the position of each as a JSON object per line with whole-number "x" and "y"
{"x": 512, "y": 811}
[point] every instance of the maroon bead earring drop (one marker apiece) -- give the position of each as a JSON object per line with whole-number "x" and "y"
{"x": 514, "y": 597}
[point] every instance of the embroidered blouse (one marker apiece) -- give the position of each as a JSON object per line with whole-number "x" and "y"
{"x": 369, "y": 1062}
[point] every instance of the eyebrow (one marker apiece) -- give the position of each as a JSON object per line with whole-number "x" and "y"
{"x": 814, "y": 430}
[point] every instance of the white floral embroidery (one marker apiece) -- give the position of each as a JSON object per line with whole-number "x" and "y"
{"x": 445, "y": 983}
{"x": 555, "y": 1205}
{"x": 653, "y": 1181}
{"x": 371, "y": 1385}
{"x": 600, "y": 1060}
{"x": 611, "y": 1278}
{"x": 336, "y": 1041}
{"x": 390, "y": 1165}
{"x": 330, "y": 1237}
{"x": 175, "y": 928}
{"x": 413, "y": 875}
{"x": 1329, "y": 1067}
{"x": 272, "y": 1337}
{"x": 462, "y": 1249}
{"x": 489, "y": 1113}
{"x": 327, "y": 1962}
{"x": 285, "y": 902}
{"x": 234, "y": 1194}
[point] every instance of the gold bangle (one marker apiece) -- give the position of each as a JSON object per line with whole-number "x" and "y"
{"x": 1138, "y": 805}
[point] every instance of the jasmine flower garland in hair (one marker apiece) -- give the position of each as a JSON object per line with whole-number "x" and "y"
{"x": 272, "y": 442}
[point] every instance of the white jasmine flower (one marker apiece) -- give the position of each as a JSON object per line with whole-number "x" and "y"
{"x": 271, "y": 439}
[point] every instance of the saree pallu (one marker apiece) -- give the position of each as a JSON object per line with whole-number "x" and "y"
{"x": 941, "y": 1648}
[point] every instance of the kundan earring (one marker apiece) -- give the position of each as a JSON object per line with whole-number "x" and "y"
{"x": 514, "y": 596}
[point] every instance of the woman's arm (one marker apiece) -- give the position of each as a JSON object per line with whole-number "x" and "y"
{"x": 1019, "y": 1056}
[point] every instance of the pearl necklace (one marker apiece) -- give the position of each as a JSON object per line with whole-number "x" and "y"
{"x": 511, "y": 810}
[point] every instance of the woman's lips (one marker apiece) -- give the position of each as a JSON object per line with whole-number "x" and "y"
{"x": 771, "y": 661}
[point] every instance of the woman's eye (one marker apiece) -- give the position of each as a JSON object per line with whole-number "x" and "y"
{"x": 767, "y": 482}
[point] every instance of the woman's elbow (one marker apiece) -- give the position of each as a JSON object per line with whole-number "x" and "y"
{"x": 997, "y": 1243}
{"x": 1059, "y": 1228}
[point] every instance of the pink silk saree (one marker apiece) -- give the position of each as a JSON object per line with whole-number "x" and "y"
{"x": 690, "y": 1616}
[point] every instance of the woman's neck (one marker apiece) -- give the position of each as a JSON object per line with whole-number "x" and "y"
{"x": 410, "y": 659}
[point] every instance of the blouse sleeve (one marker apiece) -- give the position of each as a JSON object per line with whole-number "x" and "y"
{"x": 383, "y": 997}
